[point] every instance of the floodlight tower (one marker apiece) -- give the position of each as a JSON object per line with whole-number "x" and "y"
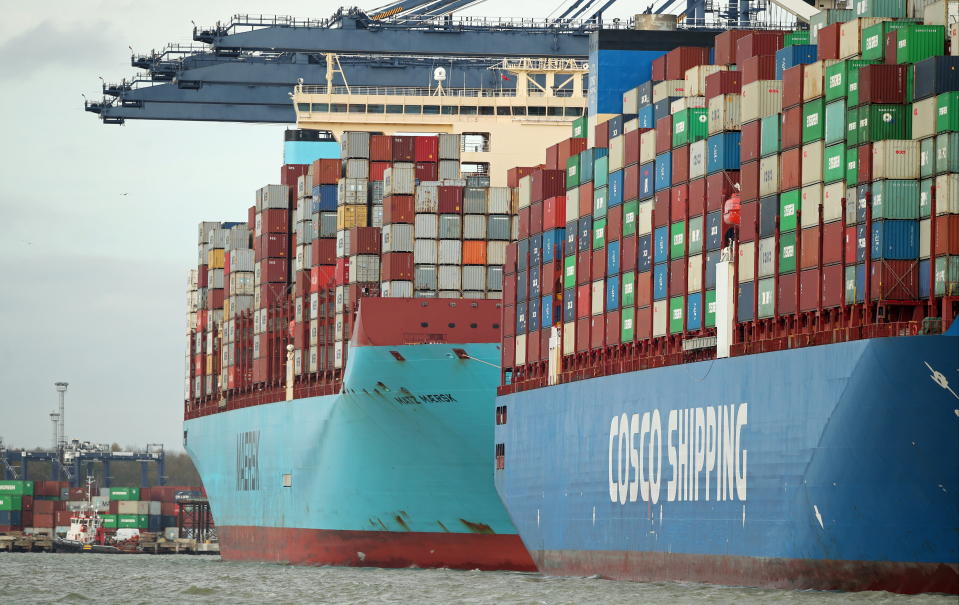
{"x": 61, "y": 437}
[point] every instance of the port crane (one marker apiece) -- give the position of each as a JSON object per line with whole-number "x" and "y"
{"x": 243, "y": 70}
{"x": 76, "y": 460}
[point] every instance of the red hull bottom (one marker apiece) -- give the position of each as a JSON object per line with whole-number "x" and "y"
{"x": 908, "y": 578}
{"x": 298, "y": 546}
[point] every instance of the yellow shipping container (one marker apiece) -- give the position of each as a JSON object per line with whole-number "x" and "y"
{"x": 226, "y": 307}
{"x": 215, "y": 258}
{"x": 351, "y": 216}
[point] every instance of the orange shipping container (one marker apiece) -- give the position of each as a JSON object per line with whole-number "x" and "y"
{"x": 474, "y": 252}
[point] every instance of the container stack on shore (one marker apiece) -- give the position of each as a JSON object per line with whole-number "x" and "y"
{"x": 393, "y": 217}
{"x": 837, "y": 151}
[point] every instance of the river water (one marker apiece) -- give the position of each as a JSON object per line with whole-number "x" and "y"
{"x": 81, "y": 578}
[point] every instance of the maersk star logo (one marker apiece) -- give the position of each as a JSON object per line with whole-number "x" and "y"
{"x": 940, "y": 379}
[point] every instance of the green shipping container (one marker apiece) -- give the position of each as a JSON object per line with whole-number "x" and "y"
{"x": 628, "y": 297}
{"x": 627, "y": 328}
{"x": 852, "y": 126}
{"x": 599, "y": 234}
{"x": 630, "y": 214}
{"x": 601, "y": 171}
{"x": 812, "y": 121}
{"x": 925, "y": 197}
{"x": 769, "y": 129}
{"x": 599, "y": 202}
{"x": 127, "y": 521}
{"x": 11, "y": 502}
{"x": 572, "y": 172}
{"x": 695, "y": 235}
{"x": 16, "y": 488}
{"x": 947, "y": 112}
{"x": 872, "y": 46}
{"x": 835, "y": 128}
{"x": 569, "y": 272}
{"x": 916, "y": 42}
{"x": 852, "y": 163}
{"x": 879, "y": 122}
{"x": 767, "y": 297}
{"x": 677, "y": 240}
{"x": 690, "y": 125}
{"x": 853, "y": 295}
{"x": 947, "y": 152}
{"x": 787, "y": 252}
{"x": 710, "y": 313}
{"x": 895, "y": 199}
{"x": 927, "y": 157}
{"x": 143, "y": 521}
{"x": 676, "y": 314}
{"x": 124, "y": 493}
{"x": 837, "y": 77}
{"x": 834, "y": 164}
{"x": 796, "y": 38}
{"x": 895, "y": 9}
{"x": 947, "y": 276}
{"x": 109, "y": 521}
{"x": 579, "y": 128}
{"x": 789, "y": 206}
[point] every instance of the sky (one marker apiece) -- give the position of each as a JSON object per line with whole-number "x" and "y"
{"x": 100, "y": 222}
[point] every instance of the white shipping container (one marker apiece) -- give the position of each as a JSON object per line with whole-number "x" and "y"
{"x": 810, "y": 201}
{"x": 449, "y": 277}
{"x": 668, "y": 88}
{"x": 767, "y": 257}
{"x": 761, "y": 99}
{"x": 451, "y": 226}
{"x": 768, "y": 175}
{"x": 357, "y": 168}
{"x": 850, "y": 35}
{"x": 450, "y": 252}
{"x": 644, "y": 224}
{"x": 449, "y": 169}
{"x": 272, "y": 196}
{"x": 364, "y": 268}
{"x": 925, "y": 240}
{"x": 474, "y": 277}
{"x": 684, "y": 103}
{"x": 647, "y": 147}
{"x": 241, "y": 303}
{"x": 696, "y": 78}
{"x": 399, "y": 179}
{"x": 314, "y": 365}
{"x": 520, "y": 356}
{"x": 615, "y": 154}
{"x": 427, "y": 226}
{"x": 474, "y": 226}
{"x": 525, "y": 192}
{"x": 424, "y": 277}
{"x": 424, "y": 252}
{"x": 215, "y": 279}
{"x": 355, "y": 144}
{"x": 338, "y": 354}
{"x": 376, "y": 216}
{"x": 496, "y": 252}
{"x": 725, "y": 113}
{"x": 812, "y": 82}
{"x": 449, "y": 147}
{"x": 812, "y": 162}
{"x": 572, "y": 203}
{"x": 241, "y": 260}
{"x": 631, "y": 101}
{"x": 500, "y": 199}
{"x": 947, "y": 194}
{"x": 746, "y": 261}
{"x": 924, "y": 118}
{"x": 569, "y": 338}
{"x": 697, "y": 159}
{"x": 694, "y": 274}
{"x": 631, "y": 125}
{"x": 342, "y": 243}
{"x": 598, "y": 297}
{"x": 660, "y": 317}
{"x": 895, "y": 159}
{"x": 397, "y": 238}
{"x": 352, "y": 192}
{"x": 396, "y": 289}
{"x": 304, "y": 185}
{"x": 494, "y": 278}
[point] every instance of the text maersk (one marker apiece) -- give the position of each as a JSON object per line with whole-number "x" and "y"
{"x": 704, "y": 450}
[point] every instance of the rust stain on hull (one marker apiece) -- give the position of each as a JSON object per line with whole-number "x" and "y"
{"x": 477, "y": 528}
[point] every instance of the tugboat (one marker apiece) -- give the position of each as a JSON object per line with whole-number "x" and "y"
{"x": 87, "y": 533}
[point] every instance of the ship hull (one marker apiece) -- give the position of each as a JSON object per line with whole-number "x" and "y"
{"x": 394, "y": 471}
{"x": 833, "y": 467}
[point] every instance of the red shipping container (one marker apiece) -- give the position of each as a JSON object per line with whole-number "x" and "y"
{"x": 758, "y": 44}
{"x": 62, "y": 519}
{"x": 631, "y": 181}
{"x": 828, "y": 45}
{"x": 251, "y": 218}
{"x": 947, "y": 234}
{"x": 680, "y": 161}
{"x": 216, "y": 297}
{"x": 321, "y": 277}
{"x": 760, "y": 67}
{"x": 644, "y": 288}
{"x": 882, "y": 84}
{"x": 327, "y": 171}
{"x": 792, "y": 127}
{"x": 809, "y": 255}
{"x": 851, "y": 243}
{"x": 597, "y": 332}
{"x": 682, "y": 58}
{"x": 275, "y": 220}
{"x": 661, "y": 208}
{"x": 26, "y": 503}
{"x": 274, "y": 270}
{"x": 554, "y": 213}
{"x": 583, "y": 301}
{"x": 664, "y": 134}
{"x": 547, "y": 183}
{"x": 513, "y": 175}
{"x": 509, "y": 289}
{"x": 895, "y": 279}
{"x": 509, "y": 350}
{"x": 832, "y": 243}
{"x": 398, "y": 209}
{"x": 614, "y": 223}
{"x": 864, "y": 163}
{"x": 569, "y": 147}
{"x": 697, "y": 196}
{"x": 532, "y": 347}
{"x": 584, "y": 267}
{"x": 749, "y": 180}
{"x": 524, "y": 222}
{"x": 551, "y": 280}
{"x": 889, "y": 54}
{"x": 677, "y": 277}
{"x": 719, "y": 187}
{"x": 511, "y": 251}
{"x": 381, "y": 148}
{"x": 659, "y": 68}
{"x": 43, "y": 506}
{"x": 631, "y": 147}
{"x": 582, "y": 334}
{"x": 427, "y": 148}
{"x": 404, "y": 149}
{"x": 786, "y": 294}
{"x": 301, "y": 286}
{"x": 833, "y": 286}
{"x": 725, "y": 50}
{"x": 377, "y": 169}
{"x": 342, "y": 274}
{"x": 301, "y": 335}
{"x": 792, "y": 86}
{"x": 613, "y": 327}
{"x": 536, "y": 218}
{"x": 426, "y": 171}
{"x": 450, "y": 200}
{"x": 273, "y": 245}
{"x": 552, "y": 157}
{"x": 790, "y": 169}
{"x": 748, "y": 216}
{"x": 586, "y": 199}
{"x": 601, "y": 135}
{"x": 272, "y": 294}
{"x": 364, "y": 240}
{"x": 723, "y": 83}
{"x": 77, "y": 493}
{"x": 749, "y": 141}
{"x": 324, "y": 251}
{"x": 628, "y": 250}
{"x": 678, "y": 199}
{"x": 290, "y": 173}
{"x": 643, "y": 324}
{"x": 168, "y": 509}
{"x": 598, "y": 269}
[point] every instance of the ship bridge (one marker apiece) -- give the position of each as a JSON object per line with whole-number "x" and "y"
{"x": 548, "y": 95}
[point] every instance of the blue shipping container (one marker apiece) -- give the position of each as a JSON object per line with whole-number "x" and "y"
{"x": 522, "y": 285}
{"x": 664, "y": 171}
{"x": 712, "y": 259}
{"x": 533, "y": 319}
{"x": 615, "y": 189}
{"x": 553, "y": 245}
{"x": 613, "y": 72}
{"x": 612, "y": 258}
{"x": 535, "y": 250}
{"x": 792, "y": 56}
{"x": 521, "y": 318}
{"x": 612, "y": 293}
{"x": 694, "y": 311}
{"x": 585, "y": 233}
{"x": 569, "y": 305}
{"x": 644, "y": 258}
{"x": 660, "y": 278}
{"x": 324, "y": 198}
{"x": 714, "y": 230}
{"x": 661, "y": 245}
{"x": 647, "y": 174}
{"x": 663, "y": 108}
{"x": 745, "y": 302}
{"x": 722, "y": 152}
{"x": 522, "y": 255}
{"x": 546, "y": 311}
{"x": 646, "y": 117}
{"x": 895, "y": 240}
{"x": 860, "y": 283}
{"x": 924, "y": 279}
{"x": 534, "y": 284}
{"x": 572, "y": 238}
{"x": 861, "y": 244}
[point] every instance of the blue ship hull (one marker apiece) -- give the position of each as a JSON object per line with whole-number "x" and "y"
{"x": 392, "y": 472}
{"x": 831, "y": 467}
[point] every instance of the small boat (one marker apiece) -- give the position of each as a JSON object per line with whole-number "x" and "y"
{"x": 87, "y": 534}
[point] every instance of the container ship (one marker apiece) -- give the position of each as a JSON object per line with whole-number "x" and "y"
{"x": 729, "y": 348}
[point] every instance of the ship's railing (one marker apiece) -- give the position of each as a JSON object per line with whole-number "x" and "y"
{"x": 423, "y": 91}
